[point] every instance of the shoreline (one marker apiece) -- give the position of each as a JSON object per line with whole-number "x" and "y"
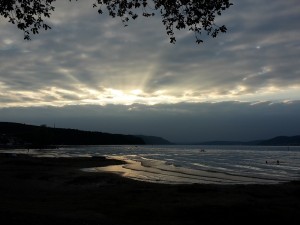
{"x": 163, "y": 173}
{"x": 55, "y": 191}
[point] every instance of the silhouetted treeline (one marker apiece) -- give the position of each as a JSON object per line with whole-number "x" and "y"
{"x": 22, "y": 134}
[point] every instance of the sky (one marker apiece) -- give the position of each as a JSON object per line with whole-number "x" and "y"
{"x": 90, "y": 72}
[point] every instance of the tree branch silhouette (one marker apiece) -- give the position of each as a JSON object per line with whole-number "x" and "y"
{"x": 198, "y": 16}
{"x": 27, "y": 15}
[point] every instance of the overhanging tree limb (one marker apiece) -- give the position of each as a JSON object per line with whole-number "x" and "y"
{"x": 197, "y": 16}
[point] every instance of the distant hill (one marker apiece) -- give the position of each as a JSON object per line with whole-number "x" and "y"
{"x": 276, "y": 141}
{"x": 153, "y": 140}
{"x": 282, "y": 140}
{"x": 22, "y": 134}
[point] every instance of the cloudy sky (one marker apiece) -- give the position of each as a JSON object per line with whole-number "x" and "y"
{"x": 90, "y": 72}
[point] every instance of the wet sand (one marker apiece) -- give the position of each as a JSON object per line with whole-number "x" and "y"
{"x": 42, "y": 191}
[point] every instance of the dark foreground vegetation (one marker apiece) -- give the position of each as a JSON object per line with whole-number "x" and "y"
{"x": 35, "y": 191}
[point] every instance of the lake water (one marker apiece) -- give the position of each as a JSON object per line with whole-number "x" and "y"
{"x": 195, "y": 164}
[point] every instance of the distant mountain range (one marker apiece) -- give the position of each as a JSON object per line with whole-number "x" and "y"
{"x": 23, "y": 135}
{"x": 276, "y": 141}
{"x": 16, "y": 134}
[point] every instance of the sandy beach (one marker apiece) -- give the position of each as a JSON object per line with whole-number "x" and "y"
{"x": 56, "y": 191}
